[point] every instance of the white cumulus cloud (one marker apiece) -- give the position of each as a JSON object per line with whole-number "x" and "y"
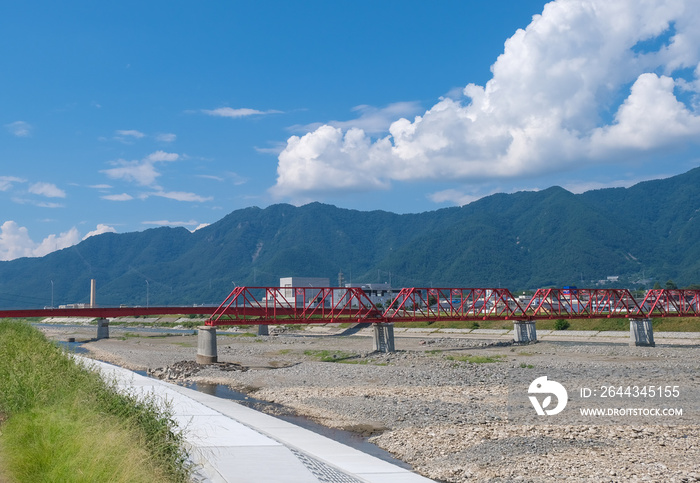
{"x": 330, "y": 159}
{"x": 49, "y": 190}
{"x": 121, "y": 197}
{"x": 159, "y": 156}
{"x": 372, "y": 120}
{"x": 142, "y": 172}
{"x": 101, "y": 228}
{"x": 586, "y": 82}
{"x": 15, "y": 242}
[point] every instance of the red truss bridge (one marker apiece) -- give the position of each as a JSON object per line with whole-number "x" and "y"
{"x": 322, "y": 305}
{"x": 308, "y": 305}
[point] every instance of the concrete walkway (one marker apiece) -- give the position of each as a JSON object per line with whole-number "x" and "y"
{"x": 232, "y": 443}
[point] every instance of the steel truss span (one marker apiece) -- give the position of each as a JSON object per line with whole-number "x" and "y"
{"x": 308, "y": 305}
{"x": 322, "y": 305}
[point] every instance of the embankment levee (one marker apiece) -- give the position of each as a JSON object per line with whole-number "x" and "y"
{"x": 230, "y": 442}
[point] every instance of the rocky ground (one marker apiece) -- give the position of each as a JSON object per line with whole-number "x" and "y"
{"x": 442, "y": 403}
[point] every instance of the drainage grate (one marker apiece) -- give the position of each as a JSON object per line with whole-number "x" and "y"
{"x": 325, "y": 473}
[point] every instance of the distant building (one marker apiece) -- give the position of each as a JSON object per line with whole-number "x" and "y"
{"x": 300, "y": 291}
{"x": 378, "y": 293}
{"x": 74, "y": 306}
{"x": 297, "y": 293}
{"x": 299, "y": 282}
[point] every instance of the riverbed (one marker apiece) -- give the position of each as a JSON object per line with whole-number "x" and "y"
{"x": 444, "y": 404}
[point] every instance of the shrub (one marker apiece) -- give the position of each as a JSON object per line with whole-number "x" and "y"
{"x": 561, "y": 324}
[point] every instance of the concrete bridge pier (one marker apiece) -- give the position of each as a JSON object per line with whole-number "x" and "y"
{"x": 102, "y": 328}
{"x": 524, "y": 332}
{"x": 206, "y": 345}
{"x": 263, "y": 330}
{"x": 384, "y": 337}
{"x": 641, "y": 333}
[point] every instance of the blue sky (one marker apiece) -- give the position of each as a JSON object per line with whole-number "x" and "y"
{"x": 124, "y": 116}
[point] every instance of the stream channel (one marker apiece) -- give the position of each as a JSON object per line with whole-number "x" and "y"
{"x": 280, "y": 411}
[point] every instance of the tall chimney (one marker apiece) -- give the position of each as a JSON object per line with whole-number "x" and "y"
{"x": 93, "y": 284}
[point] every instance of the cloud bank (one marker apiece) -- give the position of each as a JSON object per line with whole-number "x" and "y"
{"x": 15, "y": 241}
{"x": 586, "y": 82}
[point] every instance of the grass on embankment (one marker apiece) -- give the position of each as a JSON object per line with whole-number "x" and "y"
{"x": 665, "y": 324}
{"x": 61, "y": 422}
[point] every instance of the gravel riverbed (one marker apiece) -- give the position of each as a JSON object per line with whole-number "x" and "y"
{"x": 441, "y": 403}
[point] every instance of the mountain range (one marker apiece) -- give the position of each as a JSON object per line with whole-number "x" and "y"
{"x": 631, "y": 237}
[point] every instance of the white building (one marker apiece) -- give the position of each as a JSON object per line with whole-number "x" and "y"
{"x": 304, "y": 290}
{"x": 378, "y": 293}
{"x": 300, "y": 289}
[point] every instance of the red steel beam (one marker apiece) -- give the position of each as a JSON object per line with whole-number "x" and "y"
{"x": 309, "y": 305}
{"x": 107, "y": 311}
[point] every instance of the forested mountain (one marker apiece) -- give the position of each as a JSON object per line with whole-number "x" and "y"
{"x": 520, "y": 241}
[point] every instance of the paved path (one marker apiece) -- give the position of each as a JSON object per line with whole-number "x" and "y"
{"x": 233, "y": 443}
